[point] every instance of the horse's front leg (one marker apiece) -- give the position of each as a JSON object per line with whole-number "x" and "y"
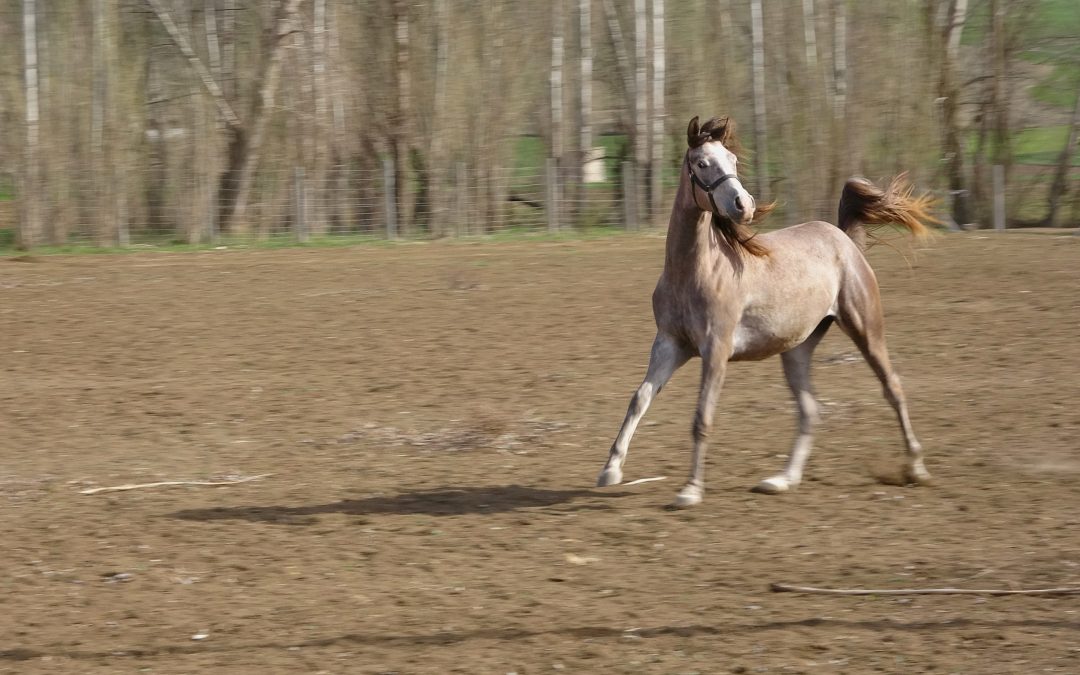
{"x": 667, "y": 356}
{"x": 713, "y": 368}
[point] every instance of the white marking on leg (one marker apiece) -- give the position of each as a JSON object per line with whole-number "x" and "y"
{"x": 797, "y": 372}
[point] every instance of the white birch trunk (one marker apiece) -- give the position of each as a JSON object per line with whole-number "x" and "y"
{"x": 437, "y": 168}
{"x": 585, "y": 100}
{"x": 641, "y": 106}
{"x": 658, "y": 83}
{"x": 29, "y": 232}
{"x": 758, "y": 58}
{"x": 557, "y": 80}
{"x": 197, "y": 65}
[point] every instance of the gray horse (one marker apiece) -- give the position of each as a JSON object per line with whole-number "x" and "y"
{"x": 727, "y": 294}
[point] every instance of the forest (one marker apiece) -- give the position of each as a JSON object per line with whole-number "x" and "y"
{"x": 194, "y": 121}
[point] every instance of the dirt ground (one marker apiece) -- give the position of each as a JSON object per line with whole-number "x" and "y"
{"x": 434, "y": 416}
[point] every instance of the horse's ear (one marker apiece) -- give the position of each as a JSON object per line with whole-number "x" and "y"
{"x": 724, "y": 131}
{"x": 692, "y": 131}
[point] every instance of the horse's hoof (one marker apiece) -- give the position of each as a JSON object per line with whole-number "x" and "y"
{"x": 918, "y": 475}
{"x": 612, "y": 476}
{"x": 687, "y": 497}
{"x": 773, "y": 486}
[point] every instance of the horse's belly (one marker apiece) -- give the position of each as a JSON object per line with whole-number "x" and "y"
{"x": 757, "y": 339}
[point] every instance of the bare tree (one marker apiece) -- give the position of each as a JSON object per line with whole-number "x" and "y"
{"x": 1064, "y": 162}
{"x": 267, "y": 95}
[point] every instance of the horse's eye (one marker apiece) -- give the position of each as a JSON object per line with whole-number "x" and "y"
{"x": 703, "y": 164}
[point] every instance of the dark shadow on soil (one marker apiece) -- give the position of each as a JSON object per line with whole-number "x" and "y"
{"x": 580, "y": 632}
{"x": 440, "y": 502}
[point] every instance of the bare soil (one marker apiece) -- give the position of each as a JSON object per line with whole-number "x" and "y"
{"x": 434, "y": 416}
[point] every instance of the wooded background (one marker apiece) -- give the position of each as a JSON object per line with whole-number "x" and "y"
{"x": 195, "y": 120}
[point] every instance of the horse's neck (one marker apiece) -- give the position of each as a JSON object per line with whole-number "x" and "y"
{"x": 694, "y": 250}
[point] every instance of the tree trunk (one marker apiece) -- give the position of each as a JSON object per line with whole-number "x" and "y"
{"x": 816, "y": 93}
{"x": 659, "y": 67}
{"x": 29, "y": 232}
{"x": 182, "y": 43}
{"x": 400, "y": 128}
{"x": 641, "y": 107}
{"x": 1002, "y": 154}
{"x": 265, "y": 112}
{"x": 438, "y": 169}
{"x": 585, "y": 139}
{"x": 758, "y": 41}
{"x": 1064, "y": 163}
{"x": 343, "y": 218}
{"x": 622, "y": 57}
{"x": 557, "y": 102}
{"x": 948, "y": 95}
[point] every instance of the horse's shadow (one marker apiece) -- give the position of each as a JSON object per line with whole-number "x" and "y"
{"x": 439, "y": 502}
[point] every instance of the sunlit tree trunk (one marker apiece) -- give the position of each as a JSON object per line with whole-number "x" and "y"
{"x": 641, "y": 105}
{"x": 816, "y": 92}
{"x": 400, "y": 128}
{"x": 948, "y": 94}
{"x": 438, "y": 168}
{"x": 321, "y": 168}
{"x": 659, "y": 72}
{"x": 29, "y": 233}
{"x": 585, "y": 139}
{"x": 758, "y": 58}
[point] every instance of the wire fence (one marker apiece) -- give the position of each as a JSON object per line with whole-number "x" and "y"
{"x": 149, "y": 207}
{"x": 153, "y": 207}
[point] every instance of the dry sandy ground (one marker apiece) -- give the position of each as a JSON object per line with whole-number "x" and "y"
{"x": 434, "y": 416}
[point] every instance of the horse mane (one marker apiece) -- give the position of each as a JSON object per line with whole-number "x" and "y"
{"x": 739, "y": 237}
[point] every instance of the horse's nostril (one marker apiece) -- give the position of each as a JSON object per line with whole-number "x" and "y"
{"x": 739, "y": 205}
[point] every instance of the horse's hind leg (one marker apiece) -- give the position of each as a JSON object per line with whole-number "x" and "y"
{"x": 797, "y": 372}
{"x": 667, "y": 356}
{"x": 865, "y": 325}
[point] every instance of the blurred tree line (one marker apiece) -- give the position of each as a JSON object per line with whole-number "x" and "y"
{"x": 191, "y": 114}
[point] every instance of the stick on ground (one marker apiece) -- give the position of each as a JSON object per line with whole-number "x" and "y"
{"x": 170, "y": 483}
{"x": 788, "y": 588}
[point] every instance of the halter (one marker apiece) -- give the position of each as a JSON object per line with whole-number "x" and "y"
{"x": 708, "y": 187}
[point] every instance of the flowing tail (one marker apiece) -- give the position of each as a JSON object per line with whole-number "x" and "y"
{"x": 863, "y": 203}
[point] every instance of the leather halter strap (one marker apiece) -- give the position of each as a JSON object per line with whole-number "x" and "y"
{"x": 708, "y": 187}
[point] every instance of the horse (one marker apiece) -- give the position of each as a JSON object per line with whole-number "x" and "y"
{"x": 728, "y": 294}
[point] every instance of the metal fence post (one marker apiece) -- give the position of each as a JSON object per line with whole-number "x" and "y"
{"x": 391, "y": 203}
{"x": 552, "y": 201}
{"x": 628, "y": 197}
{"x": 299, "y": 199}
{"x": 999, "y": 198}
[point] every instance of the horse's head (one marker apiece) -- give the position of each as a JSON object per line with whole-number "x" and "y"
{"x": 712, "y": 167}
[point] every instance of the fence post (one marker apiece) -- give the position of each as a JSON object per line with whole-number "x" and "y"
{"x": 391, "y": 204}
{"x": 999, "y": 198}
{"x": 552, "y": 200}
{"x": 629, "y": 197}
{"x": 211, "y": 213}
{"x": 460, "y": 210}
{"x": 299, "y": 197}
